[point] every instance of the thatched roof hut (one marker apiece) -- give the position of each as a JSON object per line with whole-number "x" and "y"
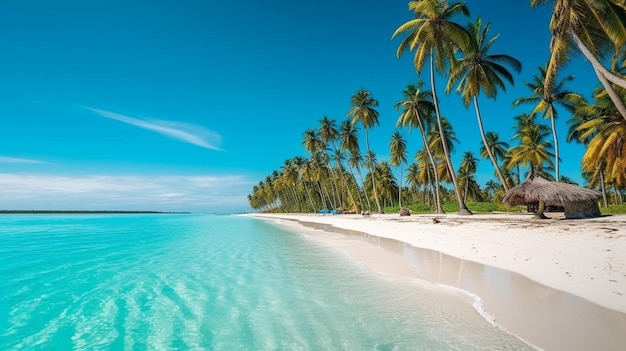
{"x": 577, "y": 202}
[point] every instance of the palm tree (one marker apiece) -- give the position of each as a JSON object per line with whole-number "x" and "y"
{"x": 413, "y": 178}
{"x": 606, "y": 136}
{"x": 313, "y": 144}
{"x": 363, "y": 110}
{"x": 418, "y": 111}
{"x": 349, "y": 141}
{"x": 435, "y": 38}
{"x": 328, "y": 134}
{"x": 478, "y": 71}
{"x": 593, "y": 26}
{"x": 533, "y": 150}
{"x": 468, "y": 167}
{"x": 546, "y": 102}
{"x": 498, "y": 147}
{"x": 397, "y": 151}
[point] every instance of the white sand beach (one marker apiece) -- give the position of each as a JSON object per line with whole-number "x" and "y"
{"x": 582, "y": 260}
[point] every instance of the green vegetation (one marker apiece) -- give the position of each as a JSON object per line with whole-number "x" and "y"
{"x": 337, "y": 175}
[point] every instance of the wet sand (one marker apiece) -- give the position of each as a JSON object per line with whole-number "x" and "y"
{"x": 545, "y": 281}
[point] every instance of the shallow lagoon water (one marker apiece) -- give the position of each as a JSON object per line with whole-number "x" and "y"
{"x": 207, "y": 282}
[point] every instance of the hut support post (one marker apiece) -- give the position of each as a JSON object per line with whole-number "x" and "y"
{"x": 540, "y": 210}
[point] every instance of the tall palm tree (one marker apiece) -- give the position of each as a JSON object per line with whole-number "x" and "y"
{"x": 417, "y": 110}
{"x": 438, "y": 148}
{"x": 397, "y": 152}
{"x": 363, "y": 111}
{"x": 478, "y": 71}
{"x": 328, "y": 133}
{"x": 435, "y": 38}
{"x": 533, "y": 150}
{"x": 469, "y": 165}
{"x": 546, "y": 103}
{"x": 349, "y": 141}
{"x": 594, "y": 26}
{"x": 498, "y": 149}
{"x": 313, "y": 144}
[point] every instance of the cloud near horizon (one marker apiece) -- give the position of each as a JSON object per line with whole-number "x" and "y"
{"x": 198, "y": 193}
{"x": 185, "y": 132}
{"x": 7, "y": 159}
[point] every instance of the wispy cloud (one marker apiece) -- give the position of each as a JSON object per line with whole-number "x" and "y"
{"x": 6, "y": 159}
{"x": 212, "y": 193}
{"x": 185, "y": 132}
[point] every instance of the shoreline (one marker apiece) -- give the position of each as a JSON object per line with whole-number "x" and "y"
{"x": 567, "y": 277}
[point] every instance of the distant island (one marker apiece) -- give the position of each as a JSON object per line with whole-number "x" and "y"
{"x": 84, "y": 212}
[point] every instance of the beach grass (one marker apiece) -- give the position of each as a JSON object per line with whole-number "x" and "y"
{"x": 451, "y": 207}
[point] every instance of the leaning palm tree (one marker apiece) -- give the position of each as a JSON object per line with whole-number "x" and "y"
{"x": 417, "y": 110}
{"x": 435, "y": 38}
{"x": 546, "y": 103}
{"x": 397, "y": 152}
{"x": 594, "y": 26}
{"x": 363, "y": 110}
{"x": 478, "y": 71}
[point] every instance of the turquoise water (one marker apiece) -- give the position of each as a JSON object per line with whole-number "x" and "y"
{"x": 202, "y": 282}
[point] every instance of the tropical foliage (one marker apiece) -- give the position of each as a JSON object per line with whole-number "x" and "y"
{"x": 341, "y": 171}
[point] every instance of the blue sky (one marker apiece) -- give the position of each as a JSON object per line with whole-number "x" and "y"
{"x": 185, "y": 105}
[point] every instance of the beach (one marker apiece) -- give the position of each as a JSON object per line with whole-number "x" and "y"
{"x": 557, "y": 284}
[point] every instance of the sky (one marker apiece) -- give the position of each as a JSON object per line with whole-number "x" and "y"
{"x": 186, "y": 105}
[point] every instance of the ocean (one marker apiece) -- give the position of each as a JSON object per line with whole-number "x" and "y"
{"x": 213, "y": 282}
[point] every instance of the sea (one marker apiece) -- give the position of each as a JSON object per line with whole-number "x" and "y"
{"x": 213, "y": 282}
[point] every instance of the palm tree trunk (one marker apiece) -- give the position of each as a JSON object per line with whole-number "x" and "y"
{"x": 379, "y": 208}
{"x": 367, "y": 199}
{"x": 540, "y": 210}
{"x": 556, "y": 148}
{"x": 604, "y": 75}
{"x": 487, "y": 148}
{"x": 438, "y": 208}
{"x": 462, "y": 207}
{"x": 603, "y": 187}
{"x": 358, "y": 191}
{"x": 400, "y": 188}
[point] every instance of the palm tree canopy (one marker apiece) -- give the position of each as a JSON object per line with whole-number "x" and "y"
{"x": 397, "y": 149}
{"x": 363, "y": 109}
{"x": 416, "y": 105}
{"x": 498, "y": 148}
{"x": 477, "y": 70}
{"x": 431, "y": 31}
{"x": 328, "y": 130}
{"x": 545, "y": 100}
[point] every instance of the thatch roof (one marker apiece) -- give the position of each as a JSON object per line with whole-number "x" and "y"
{"x": 577, "y": 202}
{"x": 552, "y": 193}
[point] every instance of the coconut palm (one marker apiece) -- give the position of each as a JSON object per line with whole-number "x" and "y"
{"x": 348, "y": 140}
{"x": 533, "y": 150}
{"x": 397, "y": 152}
{"x": 313, "y": 143}
{"x": 478, "y": 71}
{"x": 328, "y": 133}
{"x": 438, "y": 148}
{"x": 412, "y": 178}
{"x": 435, "y": 38}
{"x": 606, "y": 148}
{"x": 417, "y": 111}
{"x": 363, "y": 111}
{"x": 469, "y": 165}
{"x": 594, "y": 26}
{"x": 547, "y": 101}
